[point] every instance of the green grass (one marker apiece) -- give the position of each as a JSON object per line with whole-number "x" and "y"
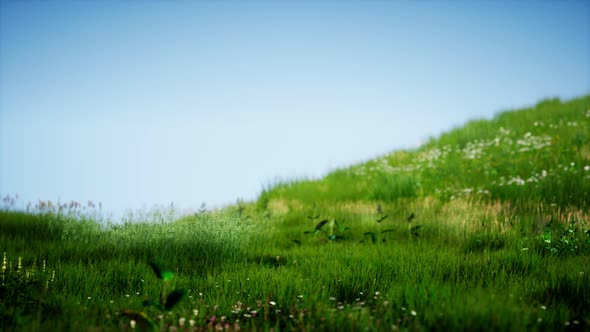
{"x": 500, "y": 241}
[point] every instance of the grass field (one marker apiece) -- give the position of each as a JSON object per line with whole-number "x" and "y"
{"x": 486, "y": 227}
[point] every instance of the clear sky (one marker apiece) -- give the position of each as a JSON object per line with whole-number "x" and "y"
{"x": 136, "y": 103}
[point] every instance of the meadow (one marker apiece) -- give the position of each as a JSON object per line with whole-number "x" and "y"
{"x": 486, "y": 227}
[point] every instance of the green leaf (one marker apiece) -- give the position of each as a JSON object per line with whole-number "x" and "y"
{"x": 156, "y": 269}
{"x": 148, "y": 303}
{"x": 167, "y": 275}
{"x": 174, "y": 297}
{"x": 141, "y": 319}
{"x": 373, "y": 236}
{"x": 161, "y": 274}
{"x": 415, "y": 229}
{"x": 321, "y": 224}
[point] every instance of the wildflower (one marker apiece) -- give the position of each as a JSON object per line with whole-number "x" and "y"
{"x": 132, "y": 324}
{"x": 272, "y": 303}
{"x": 196, "y": 312}
{"x": 586, "y": 168}
{"x": 191, "y": 322}
{"x": 517, "y": 180}
{"x": 181, "y": 321}
{"x": 413, "y": 313}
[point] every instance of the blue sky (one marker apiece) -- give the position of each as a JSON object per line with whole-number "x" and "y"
{"x": 142, "y": 103}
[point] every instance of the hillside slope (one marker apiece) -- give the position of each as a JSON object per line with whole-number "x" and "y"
{"x": 537, "y": 154}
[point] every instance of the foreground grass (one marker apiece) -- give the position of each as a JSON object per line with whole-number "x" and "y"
{"x": 486, "y": 228}
{"x": 247, "y": 274}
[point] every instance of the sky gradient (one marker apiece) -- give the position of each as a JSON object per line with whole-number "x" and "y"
{"x": 139, "y": 103}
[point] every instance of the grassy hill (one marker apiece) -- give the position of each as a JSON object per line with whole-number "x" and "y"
{"x": 534, "y": 154}
{"x": 485, "y": 228}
